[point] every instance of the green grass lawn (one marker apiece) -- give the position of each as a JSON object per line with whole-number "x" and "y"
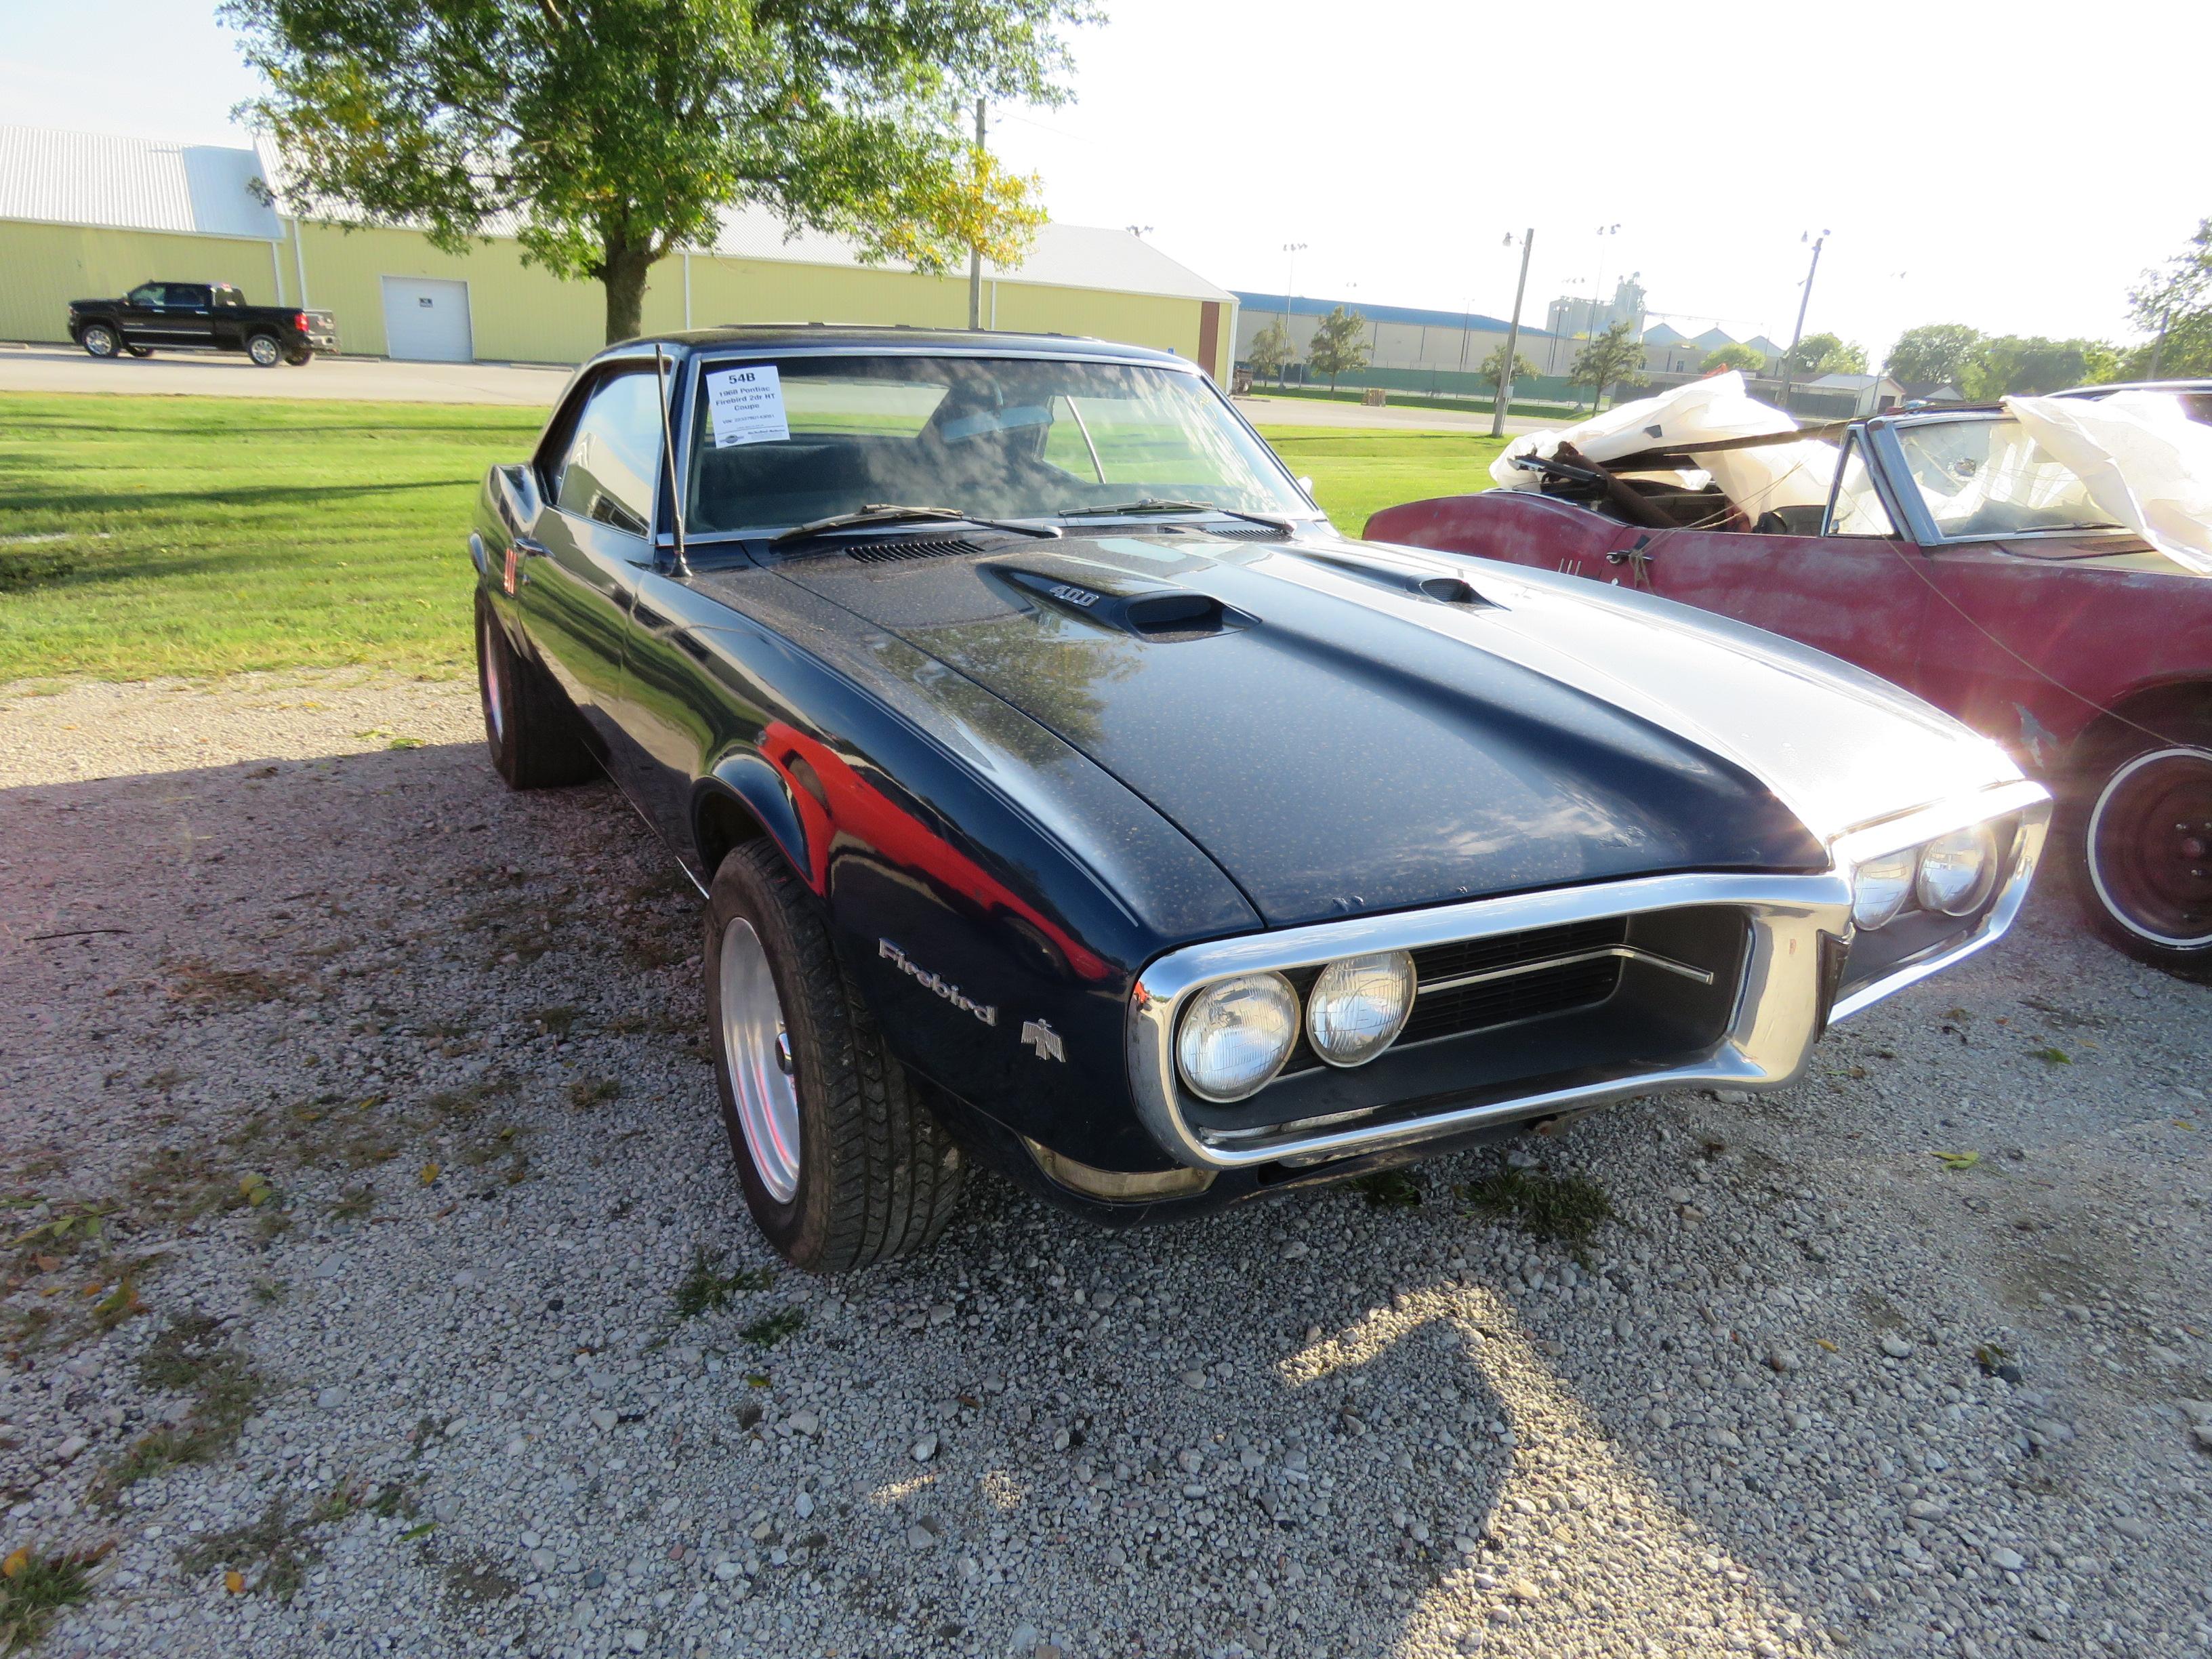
{"x": 157, "y": 535}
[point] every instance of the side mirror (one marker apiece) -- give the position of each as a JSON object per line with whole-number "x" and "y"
{"x": 1305, "y": 487}
{"x": 514, "y": 492}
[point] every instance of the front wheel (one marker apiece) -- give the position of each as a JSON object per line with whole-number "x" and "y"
{"x": 266, "y": 350}
{"x": 842, "y": 1162}
{"x": 529, "y": 727}
{"x": 2142, "y": 850}
{"x": 99, "y": 340}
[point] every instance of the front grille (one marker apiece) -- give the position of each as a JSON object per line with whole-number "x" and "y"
{"x": 1516, "y": 1014}
{"x": 912, "y": 547}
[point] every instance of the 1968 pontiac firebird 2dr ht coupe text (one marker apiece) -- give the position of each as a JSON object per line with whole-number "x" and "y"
{"x": 1067, "y": 794}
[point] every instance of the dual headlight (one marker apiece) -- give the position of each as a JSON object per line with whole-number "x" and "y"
{"x": 1951, "y": 875}
{"x": 1237, "y": 1033}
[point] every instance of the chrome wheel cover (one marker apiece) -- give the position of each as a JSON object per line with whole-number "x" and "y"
{"x": 99, "y": 341}
{"x": 263, "y": 351}
{"x": 495, "y": 680}
{"x": 757, "y": 1049}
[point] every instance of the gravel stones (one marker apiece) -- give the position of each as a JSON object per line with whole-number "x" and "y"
{"x": 1305, "y": 1429}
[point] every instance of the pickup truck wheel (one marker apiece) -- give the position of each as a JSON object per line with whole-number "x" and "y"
{"x": 2141, "y": 845}
{"x": 99, "y": 340}
{"x": 528, "y": 724}
{"x": 266, "y": 350}
{"x": 298, "y": 355}
{"x": 842, "y": 1162}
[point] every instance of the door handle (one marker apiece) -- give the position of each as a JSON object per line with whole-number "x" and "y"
{"x": 529, "y": 547}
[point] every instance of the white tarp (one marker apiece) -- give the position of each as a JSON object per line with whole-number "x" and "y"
{"x": 2143, "y": 461}
{"x": 1716, "y": 407}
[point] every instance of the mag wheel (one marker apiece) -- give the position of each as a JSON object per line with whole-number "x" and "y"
{"x": 841, "y": 1163}
{"x": 266, "y": 350}
{"x": 100, "y": 340}
{"x": 2144, "y": 856}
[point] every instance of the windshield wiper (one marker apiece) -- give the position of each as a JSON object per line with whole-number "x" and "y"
{"x": 889, "y": 513}
{"x": 1156, "y": 504}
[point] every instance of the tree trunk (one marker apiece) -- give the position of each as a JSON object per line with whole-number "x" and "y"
{"x": 627, "y": 264}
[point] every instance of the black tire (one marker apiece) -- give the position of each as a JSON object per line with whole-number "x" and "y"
{"x": 99, "y": 340}
{"x": 877, "y": 1176}
{"x": 529, "y": 725}
{"x": 139, "y": 351}
{"x": 299, "y": 355}
{"x": 2138, "y": 840}
{"x": 266, "y": 349}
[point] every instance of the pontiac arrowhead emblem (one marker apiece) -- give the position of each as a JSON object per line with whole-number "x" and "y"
{"x": 1037, "y": 1034}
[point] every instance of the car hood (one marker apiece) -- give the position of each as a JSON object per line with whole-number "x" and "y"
{"x": 1345, "y": 728}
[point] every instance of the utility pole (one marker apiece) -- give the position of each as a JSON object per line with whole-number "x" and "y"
{"x": 1789, "y": 357}
{"x": 1512, "y": 336}
{"x": 975, "y": 253}
{"x": 1289, "y": 281}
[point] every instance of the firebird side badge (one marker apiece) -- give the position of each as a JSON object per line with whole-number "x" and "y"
{"x": 890, "y": 952}
{"x": 1038, "y": 1035}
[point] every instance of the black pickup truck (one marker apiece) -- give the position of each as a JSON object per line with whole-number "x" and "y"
{"x": 205, "y": 316}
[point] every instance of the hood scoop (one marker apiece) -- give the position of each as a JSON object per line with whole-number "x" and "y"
{"x": 910, "y": 547}
{"x": 1419, "y": 577}
{"x": 1163, "y": 615}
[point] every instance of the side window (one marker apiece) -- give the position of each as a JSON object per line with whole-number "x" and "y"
{"x": 146, "y": 293}
{"x": 1857, "y": 509}
{"x": 228, "y": 295}
{"x": 187, "y": 296}
{"x": 607, "y": 474}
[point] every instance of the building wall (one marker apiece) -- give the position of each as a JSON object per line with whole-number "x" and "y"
{"x": 519, "y": 314}
{"x": 44, "y": 267}
{"x": 1395, "y": 345}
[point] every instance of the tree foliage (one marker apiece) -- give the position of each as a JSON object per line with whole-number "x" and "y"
{"x": 1933, "y": 354}
{"x": 1494, "y": 365}
{"x": 1338, "y": 344}
{"x": 1614, "y": 358}
{"x": 1270, "y": 350}
{"x": 1824, "y": 354}
{"x": 1735, "y": 355}
{"x": 608, "y": 133}
{"x": 2175, "y": 300}
{"x": 2013, "y": 365}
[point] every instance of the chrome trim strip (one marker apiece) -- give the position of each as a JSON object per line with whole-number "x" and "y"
{"x": 1772, "y": 1029}
{"x": 1627, "y": 952}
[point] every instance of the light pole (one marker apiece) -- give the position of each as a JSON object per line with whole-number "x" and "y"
{"x": 1597, "y": 282}
{"x": 975, "y": 254}
{"x": 1789, "y": 357}
{"x": 1512, "y": 336}
{"x": 1290, "y": 249}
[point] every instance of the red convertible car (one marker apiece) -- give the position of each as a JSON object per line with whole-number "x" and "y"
{"x": 1956, "y": 558}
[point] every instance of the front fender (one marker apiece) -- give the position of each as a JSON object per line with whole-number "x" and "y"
{"x": 749, "y": 779}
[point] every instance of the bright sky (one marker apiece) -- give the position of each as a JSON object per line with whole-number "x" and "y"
{"x": 2010, "y": 167}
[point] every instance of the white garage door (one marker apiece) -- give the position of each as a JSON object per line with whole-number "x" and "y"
{"x": 427, "y": 321}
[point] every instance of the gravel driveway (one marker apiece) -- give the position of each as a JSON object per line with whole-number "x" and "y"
{"x": 425, "y": 1317}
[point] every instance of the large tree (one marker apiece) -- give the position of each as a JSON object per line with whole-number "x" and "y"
{"x": 2173, "y": 305}
{"x": 609, "y": 132}
{"x": 1337, "y": 347}
{"x": 1270, "y": 350}
{"x": 2021, "y": 365}
{"x": 1614, "y": 358}
{"x": 1735, "y": 355}
{"x": 1824, "y": 354}
{"x": 1933, "y": 354}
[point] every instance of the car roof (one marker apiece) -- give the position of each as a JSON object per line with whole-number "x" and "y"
{"x": 894, "y": 337}
{"x": 2134, "y": 385}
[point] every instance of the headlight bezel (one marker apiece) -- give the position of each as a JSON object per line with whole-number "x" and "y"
{"x": 1403, "y": 961}
{"x": 1200, "y": 999}
{"x": 1909, "y": 857}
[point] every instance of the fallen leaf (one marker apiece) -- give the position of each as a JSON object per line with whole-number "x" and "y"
{"x": 2052, "y": 1056}
{"x": 14, "y": 1565}
{"x": 1829, "y": 1346}
{"x": 255, "y": 1188}
{"x": 2183, "y": 1123}
{"x": 1958, "y": 1160}
{"x": 423, "y": 1531}
{"x": 235, "y": 1582}
{"x": 429, "y": 1174}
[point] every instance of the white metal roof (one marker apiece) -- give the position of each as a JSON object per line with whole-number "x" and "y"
{"x": 99, "y": 179}
{"x": 142, "y": 184}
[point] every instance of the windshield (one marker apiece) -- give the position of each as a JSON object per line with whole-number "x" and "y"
{"x": 787, "y": 442}
{"x": 1991, "y": 478}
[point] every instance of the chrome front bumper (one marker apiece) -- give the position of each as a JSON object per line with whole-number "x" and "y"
{"x": 1781, "y": 1007}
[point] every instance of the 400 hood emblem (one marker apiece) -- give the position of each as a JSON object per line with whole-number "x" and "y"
{"x": 984, "y": 1011}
